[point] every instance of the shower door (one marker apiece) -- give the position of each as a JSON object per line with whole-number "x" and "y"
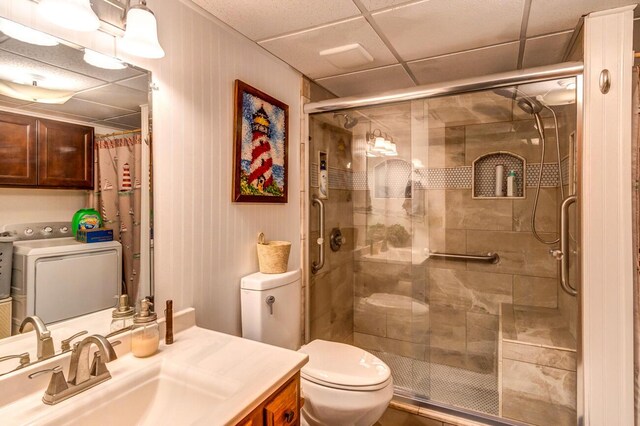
{"x": 502, "y": 329}
{"x": 442, "y": 275}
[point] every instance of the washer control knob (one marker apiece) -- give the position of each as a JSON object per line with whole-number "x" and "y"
{"x": 64, "y": 229}
{"x": 47, "y": 230}
{"x": 28, "y": 231}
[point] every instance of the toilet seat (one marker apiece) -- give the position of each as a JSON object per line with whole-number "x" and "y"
{"x": 346, "y": 367}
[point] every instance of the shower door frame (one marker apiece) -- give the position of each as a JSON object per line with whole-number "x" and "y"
{"x": 457, "y": 87}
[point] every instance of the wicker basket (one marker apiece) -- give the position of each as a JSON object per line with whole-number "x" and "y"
{"x": 273, "y": 256}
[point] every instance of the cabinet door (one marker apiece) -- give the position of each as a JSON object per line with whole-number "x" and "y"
{"x": 17, "y": 150}
{"x": 283, "y": 409}
{"x": 65, "y": 155}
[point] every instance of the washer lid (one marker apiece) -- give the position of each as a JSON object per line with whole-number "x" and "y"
{"x": 260, "y": 281}
{"x": 58, "y": 246}
{"x": 344, "y": 366}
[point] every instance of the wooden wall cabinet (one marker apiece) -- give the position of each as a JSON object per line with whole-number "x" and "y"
{"x": 43, "y": 153}
{"x": 282, "y": 408}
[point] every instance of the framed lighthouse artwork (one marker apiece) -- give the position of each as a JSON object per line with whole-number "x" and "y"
{"x": 261, "y": 138}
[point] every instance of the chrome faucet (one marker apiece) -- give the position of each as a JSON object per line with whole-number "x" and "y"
{"x": 45, "y": 342}
{"x": 82, "y": 376}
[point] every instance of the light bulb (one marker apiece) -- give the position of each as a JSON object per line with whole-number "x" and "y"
{"x": 103, "y": 61}
{"x": 26, "y": 34}
{"x": 72, "y": 14}
{"x": 141, "y": 33}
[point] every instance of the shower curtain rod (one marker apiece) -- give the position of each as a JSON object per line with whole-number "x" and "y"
{"x": 124, "y": 132}
{"x": 492, "y": 81}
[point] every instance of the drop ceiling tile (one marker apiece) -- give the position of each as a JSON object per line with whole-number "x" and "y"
{"x": 547, "y": 16}
{"x": 80, "y": 108}
{"x": 301, "y": 50}
{"x": 131, "y": 120}
{"x": 366, "y": 82}
{"x": 373, "y": 5}
{"x": 140, "y": 83}
{"x": 473, "y": 63}
{"x": 15, "y": 67}
{"x": 269, "y": 18}
{"x": 52, "y": 112}
{"x": 67, "y": 57}
{"x": 437, "y": 27}
{"x": 116, "y": 96}
{"x": 545, "y": 50}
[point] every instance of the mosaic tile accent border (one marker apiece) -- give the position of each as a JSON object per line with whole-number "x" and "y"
{"x": 549, "y": 175}
{"x": 444, "y": 178}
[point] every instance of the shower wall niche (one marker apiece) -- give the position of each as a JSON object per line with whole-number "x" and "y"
{"x": 496, "y": 339}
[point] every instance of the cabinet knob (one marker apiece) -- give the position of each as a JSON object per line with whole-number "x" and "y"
{"x": 289, "y": 416}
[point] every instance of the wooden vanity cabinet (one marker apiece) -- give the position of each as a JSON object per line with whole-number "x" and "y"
{"x": 282, "y": 408}
{"x": 43, "y": 153}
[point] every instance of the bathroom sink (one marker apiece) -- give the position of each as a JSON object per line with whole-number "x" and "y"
{"x": 205, "y": 378}
{"x": 165, "y": 393}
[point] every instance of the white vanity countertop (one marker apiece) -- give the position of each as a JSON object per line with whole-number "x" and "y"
{"x": 246, "y": 372}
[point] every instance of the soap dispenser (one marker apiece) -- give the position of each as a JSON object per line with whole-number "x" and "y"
{"x": 122, "y": 316}
{"x": 145, "y": 336}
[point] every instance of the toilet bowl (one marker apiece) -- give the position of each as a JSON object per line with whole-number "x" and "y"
{"x": 342, "y": 385}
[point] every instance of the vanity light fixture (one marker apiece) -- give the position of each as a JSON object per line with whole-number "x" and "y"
{"x": 71, "y": 14}
{"x": 26, "y": 34}
{"x": 380, "y": 144}
{"x": 103, "y": 61}
{"x": 141, "y": 33}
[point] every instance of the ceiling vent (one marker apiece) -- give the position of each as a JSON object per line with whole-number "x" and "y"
{"x": 348, "y": 56}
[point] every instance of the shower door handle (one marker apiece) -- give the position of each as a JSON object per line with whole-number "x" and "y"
{"x": 316, "y": 266}
{"x": 564, "y": 245}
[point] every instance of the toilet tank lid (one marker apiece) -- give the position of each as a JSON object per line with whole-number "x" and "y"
{"x": 260, "y": 281}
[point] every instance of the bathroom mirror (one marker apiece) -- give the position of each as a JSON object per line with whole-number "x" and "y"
{"x": 51, "y": 80}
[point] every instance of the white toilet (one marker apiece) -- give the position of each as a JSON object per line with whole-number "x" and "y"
{"x": 342, "y": 385}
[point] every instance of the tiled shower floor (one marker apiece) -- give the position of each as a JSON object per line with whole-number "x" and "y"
{"x": 440, "y": 383}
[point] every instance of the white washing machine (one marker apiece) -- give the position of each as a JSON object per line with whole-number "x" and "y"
{"x": 58, "y": 278}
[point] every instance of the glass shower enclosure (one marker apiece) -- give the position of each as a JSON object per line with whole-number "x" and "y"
{"x": 450, "y": 268}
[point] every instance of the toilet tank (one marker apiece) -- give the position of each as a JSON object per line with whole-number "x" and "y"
{"x": 271, "y": 308}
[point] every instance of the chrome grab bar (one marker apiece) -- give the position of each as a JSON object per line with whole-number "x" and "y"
{"x": 315, "y": 267}
{"x": 563, "y": 256}
{"x": 490, "y": 257}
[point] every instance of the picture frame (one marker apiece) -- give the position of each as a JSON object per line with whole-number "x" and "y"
{"x": 261, "y": 129}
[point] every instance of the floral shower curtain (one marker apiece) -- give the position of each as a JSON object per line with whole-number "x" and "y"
{"x": 117, "y": 196}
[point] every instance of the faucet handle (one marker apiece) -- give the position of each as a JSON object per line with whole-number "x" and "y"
{"x": 45, "y": 371}
{"x": 24, "y": 359}
{"x": 65, "y": 345}
{"x": 57, "y": 384}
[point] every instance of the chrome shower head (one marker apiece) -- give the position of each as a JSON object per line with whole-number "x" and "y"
{"x": 349, "y": 122}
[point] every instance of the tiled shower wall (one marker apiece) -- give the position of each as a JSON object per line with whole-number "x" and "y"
{"x": 331, "y": 289}
{"x": 463, "y": 298}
